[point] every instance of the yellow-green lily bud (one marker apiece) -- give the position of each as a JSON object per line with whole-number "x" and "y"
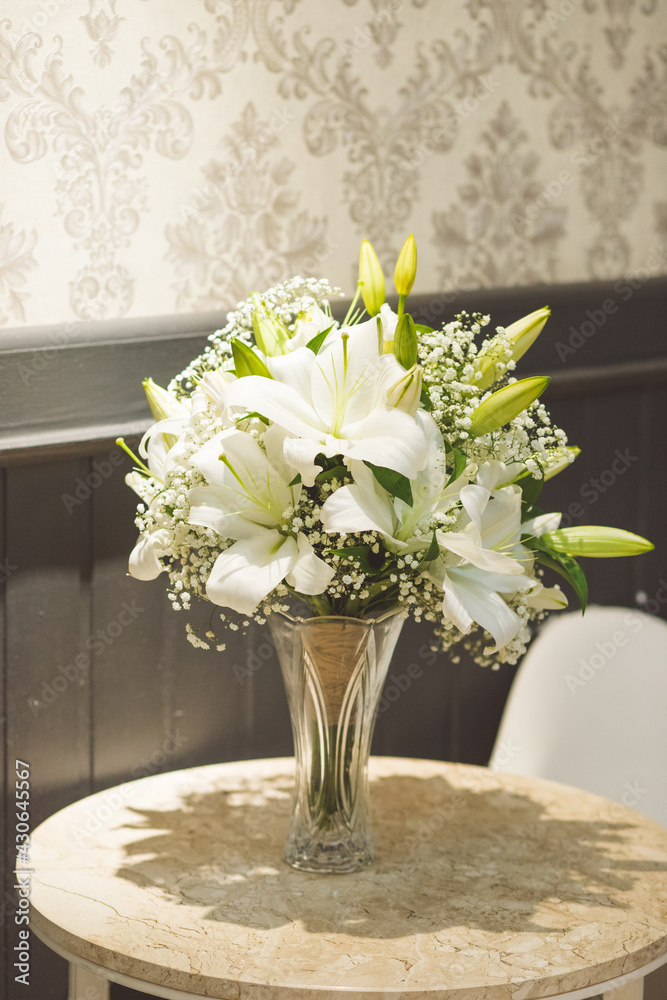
{"x": 507, "y": 403}
{"x": 371, "y": 278}
{"x": 521, "y": 335}
{"x": 559, "y": 464}
{"x": 406, "y": 392}
{"x": 271, "y": 335}
{"x": 597, "y": 542}
{"x": 246, "y": 361}
{"x": 406, "y": 267}
{"x": 163, "y": 403}
{"x": 405, "y": 341}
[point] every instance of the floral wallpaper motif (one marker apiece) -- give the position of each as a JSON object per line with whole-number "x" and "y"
{"x": 172, "y": 163}
{"x": 244, "y": 229}
{"x": 16, "y": 261}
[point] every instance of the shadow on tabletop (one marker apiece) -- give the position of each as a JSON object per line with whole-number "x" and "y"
{"x": 482, "y": 858}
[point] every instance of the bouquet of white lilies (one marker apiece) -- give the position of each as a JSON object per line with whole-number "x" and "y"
{"x": 361, "y": 466}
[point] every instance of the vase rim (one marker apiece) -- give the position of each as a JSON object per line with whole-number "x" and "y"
{"x": 299, "y": 620}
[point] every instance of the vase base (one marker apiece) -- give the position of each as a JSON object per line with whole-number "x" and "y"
{"x": 338, "y": 858}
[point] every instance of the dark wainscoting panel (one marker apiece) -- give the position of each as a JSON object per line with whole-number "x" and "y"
{"x": 99, "y": 684}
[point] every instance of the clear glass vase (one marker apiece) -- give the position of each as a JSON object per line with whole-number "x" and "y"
{"x": 334, "y": 670}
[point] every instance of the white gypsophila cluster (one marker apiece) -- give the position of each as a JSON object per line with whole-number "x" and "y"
{"x": 287, "y": 300}
{"x": 244, "y": 509}
{"x": 451, "y": 375}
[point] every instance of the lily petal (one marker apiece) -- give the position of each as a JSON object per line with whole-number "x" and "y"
{"x": 466, "y": 601}
{"x": 358, "y": 508}
{"x": 462, "y": 544}
{"x": 310, "y": 575}
{"x": 390, "y": 438}
{"x": 245, "y": 573}
{"x": 144, "y": 563}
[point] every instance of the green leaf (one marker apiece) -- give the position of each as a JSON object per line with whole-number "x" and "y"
{"x": 405, "y": 341}
{"x": 246, "y": 362}
{"x": 296, "y": 480}
{"x": 393, "y": 482}
{"x": 432, "y": 552}
{"x": 422, "y": 328}
{"x": 425, "y": 399}
{"x": 370, "y": 562}
{"x": 506, "y": 404}
{"x": 258, "y": 416}
{"x": 564, "y": 565}
{"x": 597, "y": 542}
{"x": 319, "y": 338}
{"x": 530, "y": 491}
{"x": 459, "y": 461}
{"x": 337, "y": 472}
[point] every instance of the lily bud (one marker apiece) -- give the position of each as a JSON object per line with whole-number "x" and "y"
{"x": 597, "y": 542}
{"x": 271, "y": 335}
{"x": 558, "y": 465}
{"x": 404, "y": 344}
{"x": 406, "y": 392}
{"x": 246, "y": 361}
{"x": 371, "y": 278}
{"x": 163, "y": 403}
{"x": 507, "y": 403}
{"x": 521, "y": 335}
{"x": 406, "y": 267}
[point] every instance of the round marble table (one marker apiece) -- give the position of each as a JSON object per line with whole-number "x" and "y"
{"x": 488, "y": 887}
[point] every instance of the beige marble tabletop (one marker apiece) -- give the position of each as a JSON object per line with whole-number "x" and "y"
{"x": 487, "y": 887}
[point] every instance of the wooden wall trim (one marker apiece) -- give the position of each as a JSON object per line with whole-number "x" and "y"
{"x": 609, "y": 378}
{"x": 71, "y": 390}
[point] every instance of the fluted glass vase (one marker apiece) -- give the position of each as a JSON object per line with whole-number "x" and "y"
{"x": 334, "y": 670}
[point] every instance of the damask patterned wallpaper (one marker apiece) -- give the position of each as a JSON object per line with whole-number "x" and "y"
{"x": 163, "y": 156}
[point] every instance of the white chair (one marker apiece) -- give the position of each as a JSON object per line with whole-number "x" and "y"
{"x": 589, "y": 708}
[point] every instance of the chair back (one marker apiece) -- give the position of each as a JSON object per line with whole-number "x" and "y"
{"x": 588, "y": 708}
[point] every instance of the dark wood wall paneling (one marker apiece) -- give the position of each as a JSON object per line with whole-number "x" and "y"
{"x": 139, "y": 699}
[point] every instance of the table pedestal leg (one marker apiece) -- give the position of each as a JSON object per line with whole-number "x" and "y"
{"x": 85, "y": 985}
{"x": 631, "y": 991}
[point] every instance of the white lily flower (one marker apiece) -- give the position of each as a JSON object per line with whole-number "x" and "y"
{"x": 490, "y": 538}
{"x": 144, "y": 563}
{"x": 366, "y": 506}
{"x": 245, "y": 498}
{"x": 539, "y": 525}
{"x": 308, "y": 325}
{"x": 485, "y": 563}
{"x": 213, "y": 385}
{"x": 492, "y": 474}
{"x": 474, "y": 595}
{"x": 329, "y": 403}
{"x": 546, "y": 598}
